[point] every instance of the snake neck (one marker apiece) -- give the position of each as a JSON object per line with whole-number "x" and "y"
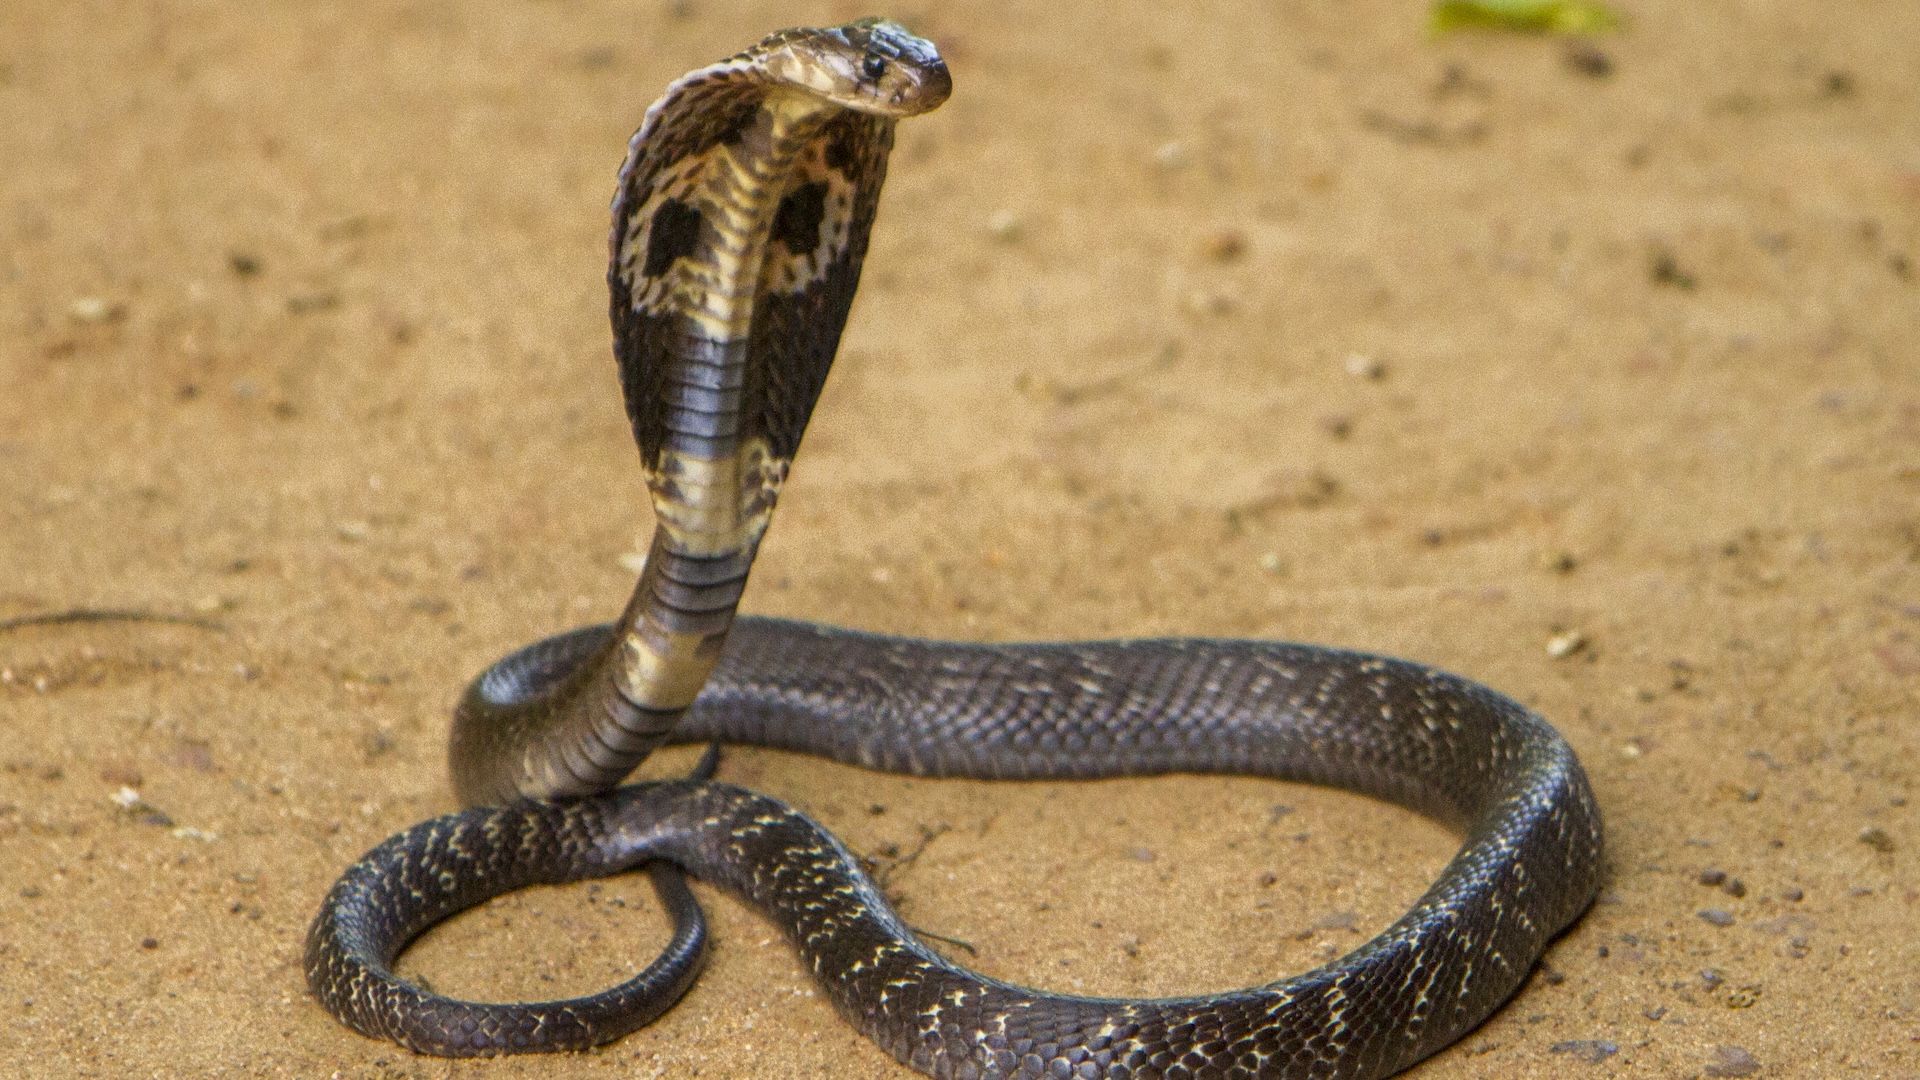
{"x": 713, "y": 480}
{"x": 713, "y": 488}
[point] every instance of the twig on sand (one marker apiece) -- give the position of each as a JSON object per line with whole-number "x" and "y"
{"x": 953, "y": 941}
{"x": 93, "y": 615}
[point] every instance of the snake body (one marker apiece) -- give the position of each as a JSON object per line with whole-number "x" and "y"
{"x": 739, "y": 231}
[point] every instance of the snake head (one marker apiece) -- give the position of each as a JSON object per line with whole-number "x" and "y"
{"x": 872, "y": 66}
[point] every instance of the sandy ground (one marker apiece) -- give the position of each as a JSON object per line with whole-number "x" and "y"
{"x": 1270, "y": 319}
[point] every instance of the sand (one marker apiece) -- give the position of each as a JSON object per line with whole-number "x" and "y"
{"x": 1235, "y": 319}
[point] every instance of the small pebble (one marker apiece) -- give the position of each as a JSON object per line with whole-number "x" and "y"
{"x": 1170, "y": 155}
{"x": 1793, "y": 893}
{"x": 1561, "y": 646}
{"x": 1664, "y": 269}
{"x": 1735, "y": 888}
{"x": 1715, "y": 917}
{"x": 1732, "y": 1061}
{"x": 1587, "y": 1051}
{"x": 1560, "y": 562}
{"x": 1004, "y": 226}
{"x": 92, "y": 309}
{"x": 1141, "y": 854}
{"x": 1224, "y": 245}
{"x": 1713, "y": 977}
{"x": 149, "y": 943}
{"x": 1586, "y": 58}
{"x": 1712, "y": 877}
{"x": 1362, "y": 366}
{"x": 1878, "y": 839}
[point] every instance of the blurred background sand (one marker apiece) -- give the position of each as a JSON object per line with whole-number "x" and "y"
{"x": 1272, "y": 319}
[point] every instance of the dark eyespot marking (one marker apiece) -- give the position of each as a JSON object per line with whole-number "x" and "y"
{"x": 797, "y": 222}
{"x": 676, "y": 232}
{"x": 873, "y": 67}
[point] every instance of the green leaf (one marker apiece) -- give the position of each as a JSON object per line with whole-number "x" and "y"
{"x": 1554, "y": 16}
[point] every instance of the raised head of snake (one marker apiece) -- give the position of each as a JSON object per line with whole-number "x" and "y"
{"x": 739, "y": 229}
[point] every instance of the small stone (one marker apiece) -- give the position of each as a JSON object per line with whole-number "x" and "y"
{"x": 1732, "y": 1061}
{"x": 1713, "y": 977}
{"x": 1793, "y": 893}
{"x": 1170, "y": 155}
{"x": 1663, "y": 267}
{"x": 93, "y": 309}
{"x": 1561, "y": 646}
{"x": 1745, "y": 997}
{"x": 1715, "y": 917}
{"x": 1141, "y": 854}
{"x": 243, "y": 264}
{"x": 1362, "y": 366}
{"x": 1004, "y": 226}
{"x": 1586, "y": 1051}
{"x": 149, "y": 943}
{"x": 1878, "y": 839}
{"x": 1586, "y": 58}
{"x": 1735, "y": 888}
{"x": 1560, "y": 562}
{"x": 1224, "y": 245}
{"x": 1711, "y": 876}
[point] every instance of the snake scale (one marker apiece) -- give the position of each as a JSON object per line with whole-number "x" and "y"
{"x": 739, "y": 229}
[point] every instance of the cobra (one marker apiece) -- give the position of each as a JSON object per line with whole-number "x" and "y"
{"x": 739, "y": 230}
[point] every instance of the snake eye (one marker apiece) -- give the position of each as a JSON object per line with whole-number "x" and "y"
{"x": 873, "y": 68}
